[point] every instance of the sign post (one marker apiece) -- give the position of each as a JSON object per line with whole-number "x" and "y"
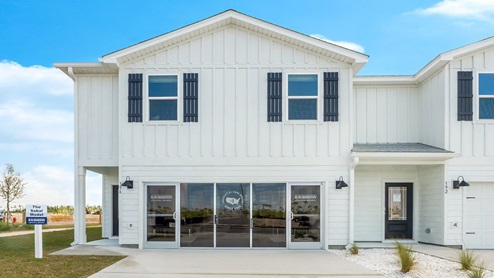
{"x": 37, "y": 215}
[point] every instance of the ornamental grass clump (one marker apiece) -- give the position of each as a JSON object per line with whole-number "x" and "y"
{"x": 477, "y": 271}
{"x": 354, "y": 249}
{"x": 467, "y": 259}
{"x": 406, "y": 256}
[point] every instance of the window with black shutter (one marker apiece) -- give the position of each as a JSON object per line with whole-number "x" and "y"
{"x": 465, "y": 95}
{"x": 330, "y": 96}
{"x": 135, "y": 98}
{"x": 274, "y": 97}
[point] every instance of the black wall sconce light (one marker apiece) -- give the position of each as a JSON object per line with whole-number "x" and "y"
{"x": 460, "y": 182}
{"x": 340, "y": 183}
{"x": 128, "y": 183}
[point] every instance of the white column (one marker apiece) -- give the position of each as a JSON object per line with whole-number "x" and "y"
{"x": 80, "y": 207}
{"x": 351, "y": 214}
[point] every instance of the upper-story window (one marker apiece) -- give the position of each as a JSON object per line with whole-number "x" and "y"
{"x": 302, "y": 96}
{"x": 486, "y": 96}
{"x": 163, "y": 97}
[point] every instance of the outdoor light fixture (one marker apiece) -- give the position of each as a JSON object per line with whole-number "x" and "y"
{"x": 457, "y": 183}
{"x": 340, "y": 183}
{"x": 128, "y": 183}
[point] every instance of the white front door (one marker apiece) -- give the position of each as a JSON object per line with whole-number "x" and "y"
{"x": 304, "y": 202}
{"x": 161, "y": 214}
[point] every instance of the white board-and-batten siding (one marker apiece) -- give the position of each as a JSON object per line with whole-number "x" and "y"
{"x": 96, "y": 101}
{"x": 232, "y": 64}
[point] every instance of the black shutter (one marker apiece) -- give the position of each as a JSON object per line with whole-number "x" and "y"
{"x": 274, "y": 97}
{"x": 465, "y": 96}
{"x": 191, "y": 100}
{"x": 330, "y": 96}
{"x": 135, "y": 97}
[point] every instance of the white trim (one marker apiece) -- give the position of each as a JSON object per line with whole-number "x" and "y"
{"x": 383, "y": 203}
{"x": 147, "y": 98}
{"x": 318, "y": 98}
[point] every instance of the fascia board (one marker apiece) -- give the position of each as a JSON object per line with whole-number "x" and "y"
{"x": 404, "y": 156}
{"x": 385, "y": 80}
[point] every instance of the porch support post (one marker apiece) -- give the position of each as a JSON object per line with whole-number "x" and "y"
{"x": 80, "y": 207}
{"x": 351, "y": 214}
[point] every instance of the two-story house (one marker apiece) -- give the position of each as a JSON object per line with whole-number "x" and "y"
{"x": 235, "y": 132}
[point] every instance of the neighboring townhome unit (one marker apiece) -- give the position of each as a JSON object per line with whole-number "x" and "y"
{"x": 234, "y": 132}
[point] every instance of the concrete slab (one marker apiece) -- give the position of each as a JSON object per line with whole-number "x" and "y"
{"x": 486, "y": 256}
{"x": 234, "y": 263}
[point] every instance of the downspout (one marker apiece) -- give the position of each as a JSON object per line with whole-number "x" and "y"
{"x": 351, "y": 215}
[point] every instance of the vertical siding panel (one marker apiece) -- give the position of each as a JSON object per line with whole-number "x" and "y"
{"x": 95, "y": 118}
{"x": 322, "y": 141}
{"x": 299, "y": 57}
{"x": 229, "y": 117}
{"x": 310, "y": 140}
{"x": 263, "y": 133}
{"x": 161, "y": 142}
{"x": 195, "y": 140}
{"x": 413, "y": 115}
{"x": 218, "y": 47}
{"x": 298, "y": 140}
{"x": 288, "y": 54}
{"x": 489, "y": 59}
{"x": 207, "y": 49}
{"x": 183, "y": 140}
{"x": 218, "y": 112}
{"x": 382, "y": 117}
{"x": 276, "y": 53}
{"x": 478, "y": 139}
{"x": 195, "y": 51}
{"x": 403, "y": 115}
{"x": 230, "y": 43}
{"x": 115, "y": 116}
{"x": 489, "y": 138}
{"x": 241, "y": 113}
{"x": 253, "y": 49}
{"x": 172, "y": 55}
{"x": 288, "y": 145}
{"x": 161, "y": 58}
{"x": 466, "y": 138}
{"x": 334, "y": 139}
{"x": 361, "y": 101}
{"x": 206, "y": 111}
{"x": 371, "y": 123}
{"x": 107, "y": 115}
{"x": 275, "y": 138}
{"x": 264, "y": 44}
{"x": 83, "y": 94}
{"x": 253, "y": 108}
{"x": 478, "y": 61}
{"x": 137, "y": 149}
{"x": 149, "y": 141}
{"x": 392, "y": 114}
{"x": 184, "y": 53}
{"x": 172, "y": 139}
{"x": 241, "y": 47}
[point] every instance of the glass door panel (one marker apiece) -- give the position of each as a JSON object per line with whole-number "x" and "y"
{"x": 161, "y": 214}
{"x": 305, "y": 227}
{"x": 269, "y": 215}
{"x": 232, "y": 215}
{"x": 197, "y": 217}
{"x": 398, "y": 220}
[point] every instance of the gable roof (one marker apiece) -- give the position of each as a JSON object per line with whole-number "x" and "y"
{"x": 432, "y": 67}
{"x": 336, "y": 52}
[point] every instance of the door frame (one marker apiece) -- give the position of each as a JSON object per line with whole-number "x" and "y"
{"x": 410, "y": 202}
{"x": 322, "y": 217}
{"x": 164, "y": 244}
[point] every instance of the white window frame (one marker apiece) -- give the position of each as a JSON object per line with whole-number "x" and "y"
{"x": 178, "y": 98}
{"x": 477, "y": 96}
{"x": 317, "y": 97}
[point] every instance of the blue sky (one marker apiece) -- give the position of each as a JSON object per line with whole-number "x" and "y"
{"x": 36, "y": 114}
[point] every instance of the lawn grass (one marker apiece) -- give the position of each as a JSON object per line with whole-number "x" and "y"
{"x": 4, "y": 228}
{"x": 17, "y": 256}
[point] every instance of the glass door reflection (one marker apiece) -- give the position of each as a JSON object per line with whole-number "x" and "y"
{"x": 161, "y": 215}
{"x": 232, "y": 215}
{"x": 305, "y": 216}
{"x": 196, "y": 211}
{"x": 268, "y": 215}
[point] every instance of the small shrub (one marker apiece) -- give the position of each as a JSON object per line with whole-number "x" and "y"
{"x": 406, "y": 256}
{"x": 478, "y": 271}
{"x": 467, "y": 259}
{"x": 354, "y": 249}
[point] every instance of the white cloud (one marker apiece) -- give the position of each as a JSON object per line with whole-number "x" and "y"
{"x": 349, "y": 45}
{"x": 465, "y": 9}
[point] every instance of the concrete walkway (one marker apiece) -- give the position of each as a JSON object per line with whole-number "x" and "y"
{"x": 451, "y": 254}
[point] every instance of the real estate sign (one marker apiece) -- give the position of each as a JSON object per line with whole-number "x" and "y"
{"x": 36, "y": 214}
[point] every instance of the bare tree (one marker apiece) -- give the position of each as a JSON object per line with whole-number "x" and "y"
{"x": 11, "y": 187}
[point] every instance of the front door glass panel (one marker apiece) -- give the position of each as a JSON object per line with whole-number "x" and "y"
{"x": 196, "y": 213}
{"x": 306, "y": 213}
{"x": 269, "y": 215}
{"x": 161, "y": 203}
{"x": 232, "y": 215}
{"x": 397, "y": 203}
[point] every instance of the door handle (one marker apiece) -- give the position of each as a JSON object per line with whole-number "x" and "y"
{"x": 291, "y": 215}
{"x": 215, "y": 219}
{"x": 174, "y": 215}
{"x": 252, "y": 223}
